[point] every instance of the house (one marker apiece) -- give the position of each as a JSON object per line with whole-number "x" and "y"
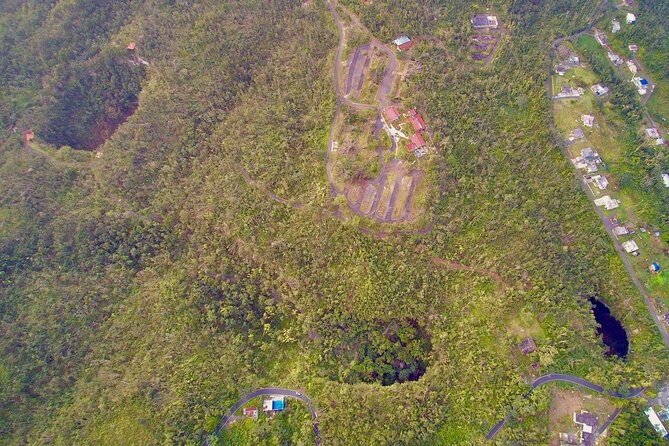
{"x": 640, "y": 82}
{"x": 601, "y": 38}
{"x": 599, "y": 89}
{"x": 620, "y": 230}
{"x": 633, "y": 48}
{"x": 416, "y": 120}
{"x": 631, "y": 18}
{"x": 588, "y": 423}
{"x": 406, "y": 46}
{"x": 251, "y": 412}
{"x": 633, "y": 68}
{"x": 561, "y": 70}
{"x": 652, "y": 133}
{"x": 600, "y": 180}
{"x": 484, "y": 21}
{"x": 654, "y": 267}
{"x": 416, "y": 141}
{"x": 401, "y": 40}
{"x": 391, "y": 114}
{"x": 275, "y": 403}
{"x": 131, "y": 46}
{"x": 613, "y": 57}
{"x": 576, "y": 134}
{"x": 630, "y": 246}
{"x": 665, "y": 179}
{"x": 574, "y": 60}
{"x": 641, "y": 85}
{"x": 588, "y": 120}
{"x": 608, "y": 202}
{"x": 28, "y": 136}
{"x": 615, "y": 26}
{"x": 588, "y": 160}
{"x": 567, "y": 92}
{"x": 527, "y": 346}
{"x": 656, "y": 422}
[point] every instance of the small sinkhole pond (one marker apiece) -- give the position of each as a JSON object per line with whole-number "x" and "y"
{"x": 613, "y": 334}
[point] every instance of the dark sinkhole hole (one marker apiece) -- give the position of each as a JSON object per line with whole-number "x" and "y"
{"x": 613, "y": 334}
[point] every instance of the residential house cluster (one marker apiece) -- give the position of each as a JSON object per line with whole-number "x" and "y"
{"x": 416, "y": 144}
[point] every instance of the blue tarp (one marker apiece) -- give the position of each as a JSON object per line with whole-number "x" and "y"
{"x": 643, "y": 82}
{"x": 655, "y": 266}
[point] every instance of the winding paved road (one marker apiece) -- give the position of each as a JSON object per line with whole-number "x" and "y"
{"x": 225, "y": 419}
{"x": 559, "y": 377}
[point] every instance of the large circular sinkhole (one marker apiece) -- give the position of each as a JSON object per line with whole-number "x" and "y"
{"x": 381, "y": 351}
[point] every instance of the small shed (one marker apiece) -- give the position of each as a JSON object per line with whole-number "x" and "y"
{"x": 28, "y": 136}
{"x": 631, "y": 18}
{"x": 633, "y": 48}
{"x": 654, "y": 267}
{"x": 406, "y": 46}
{"x": 632, "y": 67}
{"x": 561, "y": 70}
{"x": 588, "y": 120}
{"x": 131, "y": 46}
{"x": 527, "y": 346}
{"x": 484, "y": 21}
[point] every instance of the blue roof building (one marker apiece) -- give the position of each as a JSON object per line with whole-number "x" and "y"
{"x": 643, "y": 82}
{"x": 655, "y": 267}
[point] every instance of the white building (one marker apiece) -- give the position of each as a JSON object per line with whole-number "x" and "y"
{"x": 631, "y": 18}
{"x": 599, "y": 89}
{"x": 607, "y": 202}
{"x": 652, "y": 133}
{"x": 613, "y": 57}
{"x": 656, "y": 422}
{"x": 588, "y": 120}
{"x": 620, "y": 230}
{"x": 615, "y": 26}
{"x": 632, "y": 67}
{"x": 600, "y": 181}
{"x": 665, "y": 179}
{"x": 630, "y": 246}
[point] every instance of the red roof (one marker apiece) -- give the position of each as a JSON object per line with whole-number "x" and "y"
{"x": 391, "y": 113}
{"x": 417, "y": 140}
{"x": 411, "y": 112}
{"x": 131, "y": 46}
{"x": 410, "y": 147}
{"x": 406, "y": 46}
{"x": 29, "y": 135}
{"x": 417, "y": 122}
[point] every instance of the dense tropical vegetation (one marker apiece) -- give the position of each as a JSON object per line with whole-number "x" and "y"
{"x": 143, "y": 289}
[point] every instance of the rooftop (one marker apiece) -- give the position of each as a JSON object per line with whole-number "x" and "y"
{"x": 484, "y": 21}
{"x": 527, "y": 346}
